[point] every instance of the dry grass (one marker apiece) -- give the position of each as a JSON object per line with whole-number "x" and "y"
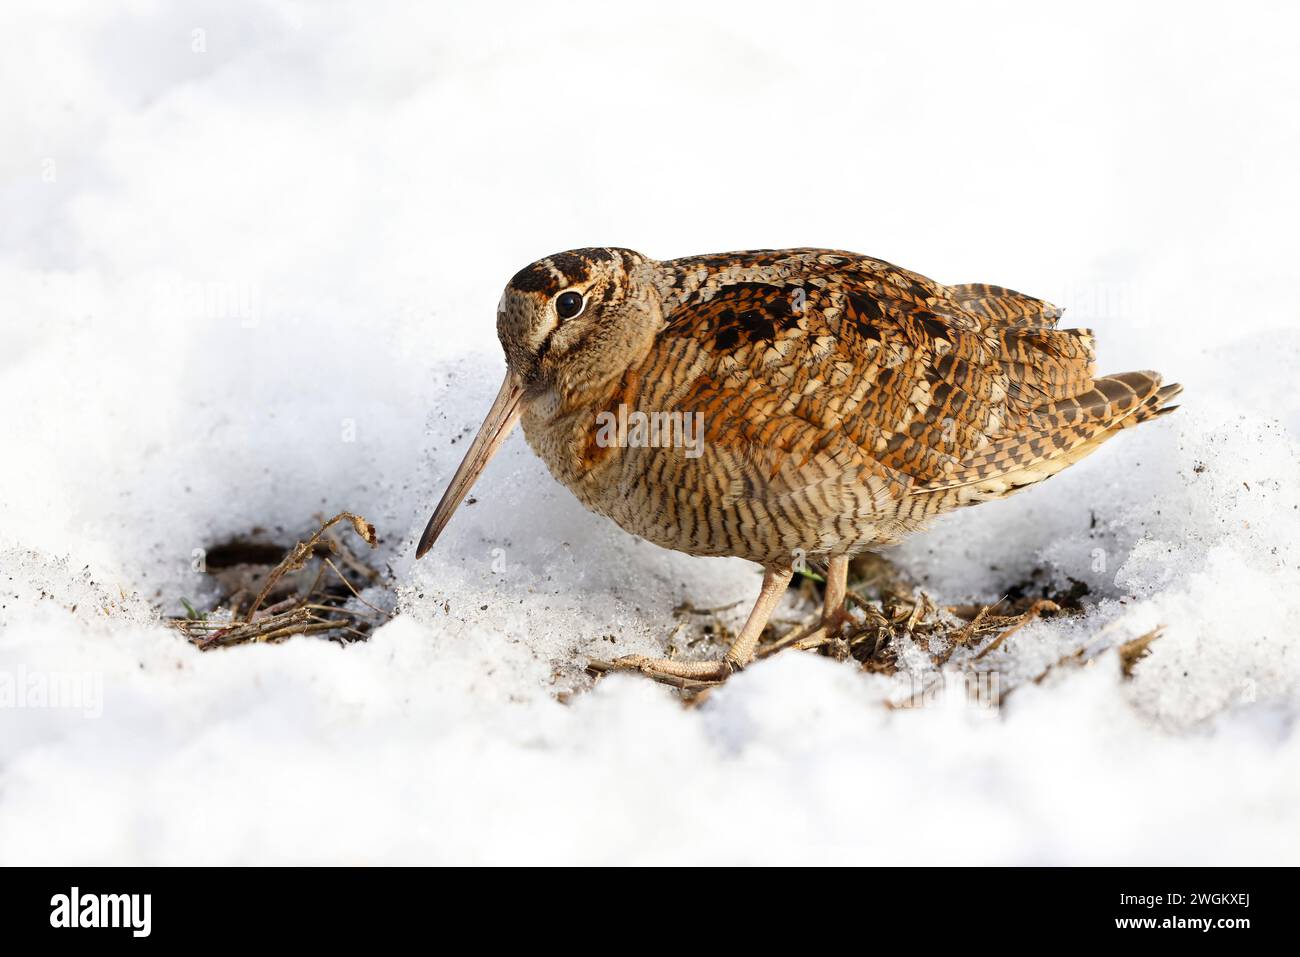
{"x": 874, "y": 628}
{"x": 877, "y": 627}
{"x": 1131, "y": 652}
{"x": 314, "y": 589}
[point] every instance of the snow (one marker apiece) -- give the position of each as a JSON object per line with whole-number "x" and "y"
{"x": 250, "y": 275}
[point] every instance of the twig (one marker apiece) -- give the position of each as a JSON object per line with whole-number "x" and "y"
{"x": 1036, "y": 609}
{"x": 687, "y": 609}
{"x": 279, "y": 607}
{"x": 339, "y": 624}
{"x": 355, "y": 593}
{"x": 298, "y": 555}
{"x": 348, "y": 558}
{"x": 1134, "y": 650}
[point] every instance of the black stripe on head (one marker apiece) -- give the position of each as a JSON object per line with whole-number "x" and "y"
{"x": 573, "y": 266}
{"x": 535, "y": 278}
{"x": 548, "y": 276}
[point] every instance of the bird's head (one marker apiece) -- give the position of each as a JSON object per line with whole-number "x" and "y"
{"x": 568, "y": 323}
{"x": 575, "y": 319}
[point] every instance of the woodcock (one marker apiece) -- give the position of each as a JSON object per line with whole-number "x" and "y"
{"x": 787, "y": 405}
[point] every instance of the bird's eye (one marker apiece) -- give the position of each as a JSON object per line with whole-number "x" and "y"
{"x": 568, "y": 304}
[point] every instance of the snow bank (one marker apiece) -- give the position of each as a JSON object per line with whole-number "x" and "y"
{"x": 250, "y": 261}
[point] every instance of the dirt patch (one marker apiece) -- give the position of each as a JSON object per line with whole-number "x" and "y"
{"x": 268, "y": 593}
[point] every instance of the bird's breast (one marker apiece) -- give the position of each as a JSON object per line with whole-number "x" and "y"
{"x": 661, "y": 475}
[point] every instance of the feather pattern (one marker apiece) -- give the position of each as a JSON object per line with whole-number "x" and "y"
{"x": 842, "y": 402}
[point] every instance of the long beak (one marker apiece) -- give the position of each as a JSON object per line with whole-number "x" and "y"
{"x": 501, "y": 418}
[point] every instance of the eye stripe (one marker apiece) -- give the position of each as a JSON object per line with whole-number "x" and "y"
{"x": 546, "y": 343}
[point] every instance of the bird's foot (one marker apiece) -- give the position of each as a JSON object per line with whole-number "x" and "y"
{"x": 686, "y": 675}
{"x": 697, "y": 675}
{"x": 820, "y": 629}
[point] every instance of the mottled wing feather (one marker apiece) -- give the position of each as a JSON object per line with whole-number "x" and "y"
{"x": 845, "y": 349}
{"x": 1004, "y": 305}
{"x": 840, "y": 386}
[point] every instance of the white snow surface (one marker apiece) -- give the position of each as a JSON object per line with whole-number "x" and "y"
{"x": 236, "y": 236}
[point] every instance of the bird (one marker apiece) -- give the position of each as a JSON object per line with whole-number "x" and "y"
{"x": 787, "y": 406}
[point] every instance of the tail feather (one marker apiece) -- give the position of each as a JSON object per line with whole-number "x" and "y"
{"x": 1036, "y": 396}
{"x": 1058, "y": 434}
{"x": 1046, "y": 365}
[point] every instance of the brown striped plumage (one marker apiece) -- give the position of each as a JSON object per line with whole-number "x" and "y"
{"x": 843, "y": 401}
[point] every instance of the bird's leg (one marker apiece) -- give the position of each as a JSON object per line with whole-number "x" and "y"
{"x": 833, "y": 613}
{"x": 740, "y": 654}
{"x": 837, "y": 587}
